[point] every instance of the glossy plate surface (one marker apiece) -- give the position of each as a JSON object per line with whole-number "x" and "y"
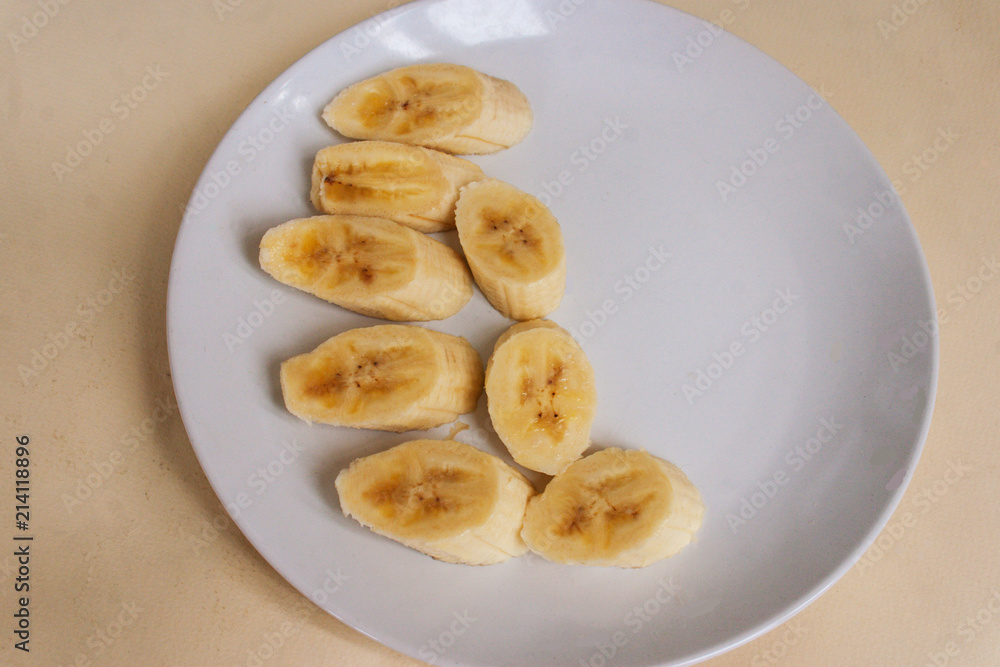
{"x": 741, "y": 274}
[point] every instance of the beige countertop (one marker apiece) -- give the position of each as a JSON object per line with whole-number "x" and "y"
{"x": 135, "y": 561}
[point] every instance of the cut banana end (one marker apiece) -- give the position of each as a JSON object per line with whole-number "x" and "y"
{"x": 372, "y": 266}
{"x": 541, "y": 395}
{"x": 620, "y": 508}
{"x": 448, "y": 107}
{"x": 444, "y": 498}
{"x": 414, "y": 186}
{"x": 514, "y": 247}
{"x": 390, "y": 377}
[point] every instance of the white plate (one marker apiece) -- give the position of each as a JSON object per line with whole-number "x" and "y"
{"x": 807, "y": 337}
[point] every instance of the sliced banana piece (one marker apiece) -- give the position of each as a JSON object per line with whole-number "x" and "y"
{"x": 390, "y": 377}
{"x": 414, "y": 186}
{"x": 541, "y": 395}
{"x": 372, "y": 266}
{"x": 444, "y": 498}
{"x": 514, "y": 247}
{"x": 448, "y": 107}
{"x": 621, "y": 508}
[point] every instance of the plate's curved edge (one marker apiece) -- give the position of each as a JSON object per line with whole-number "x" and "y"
{"x": 734, "y": 642}
{"x": 852, "y": 559}
{"x": 911, "y": 464}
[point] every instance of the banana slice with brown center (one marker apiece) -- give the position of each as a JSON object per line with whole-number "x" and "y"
{"x": 372, "y": 266}
{"x": 444, "y": 498}
{"x": 447, "y": 107}
{"x": 541, "y": 395}
{"x": 390, "y": 377}
{"x": 621, "y": 508}
{"x": 514, "y": 246}
{"x": 414, "y": 186}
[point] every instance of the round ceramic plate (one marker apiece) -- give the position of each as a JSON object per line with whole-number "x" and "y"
{"x": 741, "y": 274}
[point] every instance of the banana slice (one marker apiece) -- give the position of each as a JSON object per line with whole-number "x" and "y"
{"x": 620, "y": 508}
{"x": 411, "y": 185}
{"x": 390, "y": 377}
{"x": 514, "y": 247}
{"x": 372, "y": 266}
{"x": 444, "y": 498}
{"x": 448, "y": 107}
{"x": 541, "y": 395}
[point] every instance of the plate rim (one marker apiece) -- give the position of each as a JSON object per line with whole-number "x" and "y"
{"x": 789, "y": 610}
